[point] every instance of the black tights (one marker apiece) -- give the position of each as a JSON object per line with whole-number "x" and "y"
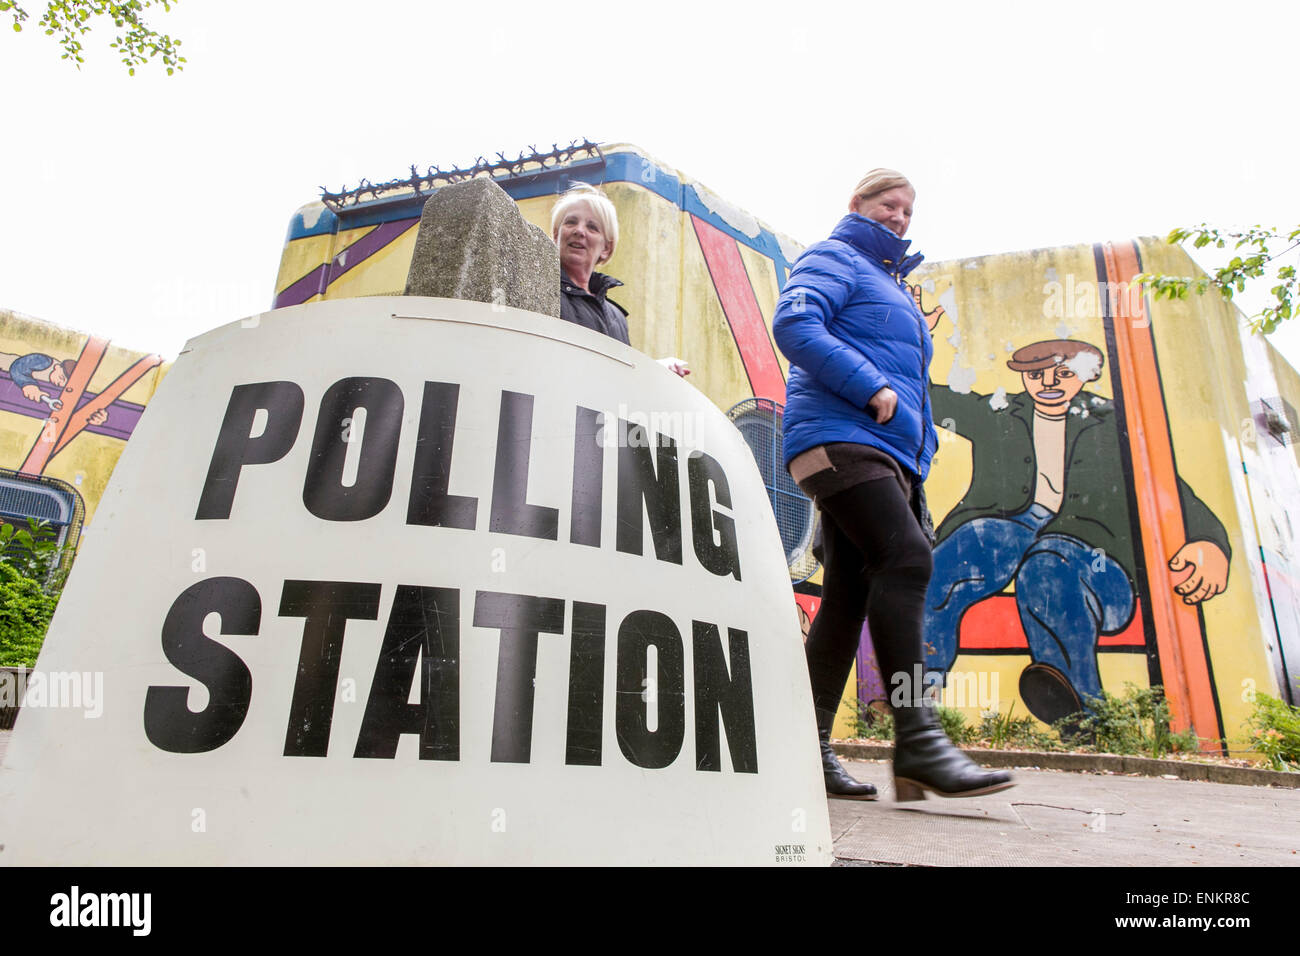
{"x": 877, "y": 566}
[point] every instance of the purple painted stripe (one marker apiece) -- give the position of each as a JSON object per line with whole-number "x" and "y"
{"x": 871, "y": 685}
{"x": 309, "y": 285}
{"x": 122, "y": 416}
{"x": 368, "y": 245}
{"x": 316, "y": 281}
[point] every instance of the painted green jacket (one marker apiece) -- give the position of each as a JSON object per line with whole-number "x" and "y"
{"x": 1095, "y": 505}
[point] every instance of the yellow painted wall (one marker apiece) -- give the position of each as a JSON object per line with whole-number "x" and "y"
{"x": 991, "y": 307}
{"x": 88, "y": 460}
{"x": 996, "y": 304}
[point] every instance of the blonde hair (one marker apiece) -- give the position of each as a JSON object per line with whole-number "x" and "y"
{"x": 876, "y": 182}
{"x": 600, "y": 206}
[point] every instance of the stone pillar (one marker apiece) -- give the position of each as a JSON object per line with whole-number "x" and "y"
{"x": 474, "y": 244}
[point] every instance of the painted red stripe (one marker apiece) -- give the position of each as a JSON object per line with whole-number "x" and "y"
{"x": 993, "y": 624}
{"x": 740, "y": 306}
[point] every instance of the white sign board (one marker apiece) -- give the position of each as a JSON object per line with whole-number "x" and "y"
{"x": 411, "y": 581}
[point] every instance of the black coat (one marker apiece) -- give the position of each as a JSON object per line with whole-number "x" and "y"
{"x": 591, "y": 309}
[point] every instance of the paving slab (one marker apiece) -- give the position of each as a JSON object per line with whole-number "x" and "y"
{"x": 1058, "y": 818}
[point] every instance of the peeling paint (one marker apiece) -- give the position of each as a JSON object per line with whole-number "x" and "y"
{"x": 949, "y": 302}
{"x": 789, "y": 248}
{"x": 1086, "y": 365}
{"x": 961, "y": 379}
{"x": 311, "y": 214}
{"x": 733, "y": 216}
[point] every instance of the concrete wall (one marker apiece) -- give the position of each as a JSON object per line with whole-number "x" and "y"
{"x": 701, "y": 278}
{"x": 1170, "y": 443}
{"x": 1171, "y": 428}
{"x": 1183, "y": 402}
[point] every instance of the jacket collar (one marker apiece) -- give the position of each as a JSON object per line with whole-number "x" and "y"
{"x": 597, "y": 285}
{"x": 877, "y": 242}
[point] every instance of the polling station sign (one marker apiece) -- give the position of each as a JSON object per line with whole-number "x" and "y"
{"x": 422, "y": 581}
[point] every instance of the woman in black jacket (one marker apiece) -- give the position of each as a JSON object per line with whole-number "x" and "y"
{"x": 584, "y": 225}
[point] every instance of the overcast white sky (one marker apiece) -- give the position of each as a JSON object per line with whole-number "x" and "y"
{"x": 151, "y": 208}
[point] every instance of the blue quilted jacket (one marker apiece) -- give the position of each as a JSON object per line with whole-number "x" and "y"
{"x": 850, "y": 328}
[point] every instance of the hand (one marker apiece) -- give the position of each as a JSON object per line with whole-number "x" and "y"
{"x": 1209, "y": 571}
{"x": 32, "y": 393}
{"x": 675, "y": 365}
{"x": 883, "y": 404}
{"x": 99, "y": 417}
{"x": 932, "y": 317}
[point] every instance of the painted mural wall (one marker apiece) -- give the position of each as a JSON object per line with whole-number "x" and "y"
{"x": 68, "y": 403}
{"x": 1139, "y": 535}
{"x": 701, "y": 278}
{"x": 1111, "y": 476}
{"x": 1088, "y": 480}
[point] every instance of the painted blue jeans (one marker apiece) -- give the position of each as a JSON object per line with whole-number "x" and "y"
{"x": 1066, "y": 592}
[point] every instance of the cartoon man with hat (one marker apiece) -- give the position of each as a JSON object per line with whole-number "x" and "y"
{"x": 1048, "y": 508}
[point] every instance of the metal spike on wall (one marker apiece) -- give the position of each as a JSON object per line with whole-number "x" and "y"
{"x": 527, "y": 163}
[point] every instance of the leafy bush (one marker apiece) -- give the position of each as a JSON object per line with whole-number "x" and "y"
{"x": 875, "y": 725}
{"x": 34, "y": 553}
{"x": 1276, "y": 732}
{"x": 25, "y": 612}
{"x": 32, "y": 570}
{"x": 871, "y": 723}
{"x": 1016, "y": 733}
{"x": 953, "y": 723}
{"x": 1137, "y": 723}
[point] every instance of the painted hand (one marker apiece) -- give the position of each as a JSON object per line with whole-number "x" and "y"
{"x": 32, "y": 393}
{"x": 1209, "y": 571}
{"x": 675, "y": 365}
{"x": 883, "y": 404}
{"x": 932, "y": 317}
{"x": 99, "y": 417}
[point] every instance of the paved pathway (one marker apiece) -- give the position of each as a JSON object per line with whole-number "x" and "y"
{"x": 1057, "y": 818}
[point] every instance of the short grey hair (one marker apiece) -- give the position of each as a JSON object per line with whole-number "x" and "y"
{"x": 599, "y": 204}
{"x": 876, "y": 182}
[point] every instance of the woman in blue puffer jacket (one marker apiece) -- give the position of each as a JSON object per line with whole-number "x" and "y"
{"x": 859, "y": 437}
